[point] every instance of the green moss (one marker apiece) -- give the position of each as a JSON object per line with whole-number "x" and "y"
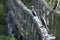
{"x": 1, "y": 10}
{"x": 6, "y": 38}
{"x": 58, "y": 8}
{"x": 27, "y": 3}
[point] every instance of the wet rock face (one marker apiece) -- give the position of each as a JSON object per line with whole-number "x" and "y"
{"x": 17, "y": 15}
{"x": 22, "y": 17}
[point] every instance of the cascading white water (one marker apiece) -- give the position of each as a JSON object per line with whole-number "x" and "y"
{"x": 17, "y": 8}
{"x": 44, "y": 31}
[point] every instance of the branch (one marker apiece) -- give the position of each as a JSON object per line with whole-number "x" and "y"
{"x": 56, "y": 2}
{"x": 48, "y": 7}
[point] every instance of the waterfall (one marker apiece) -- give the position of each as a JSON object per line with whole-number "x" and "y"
{"x": 20, "y": 15}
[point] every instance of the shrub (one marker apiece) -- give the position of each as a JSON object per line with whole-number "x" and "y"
{"x": 6, "y": 38}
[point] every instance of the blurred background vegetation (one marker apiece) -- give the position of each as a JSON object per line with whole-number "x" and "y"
{"x": 3, "y": 27}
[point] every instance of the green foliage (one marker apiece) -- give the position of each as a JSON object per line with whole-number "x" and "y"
{"x": 1, "y": 10}
{"x": 6, "y": 38}
{"x": 57, "y": 25}
{"x": 58, "y": 8}
{"x": 2, "y": 22}
{"x": 27, "y": 3}
{"x": 3, "y": 30}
